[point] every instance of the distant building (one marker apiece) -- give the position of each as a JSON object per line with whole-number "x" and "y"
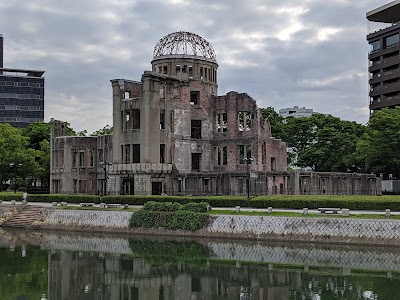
{"x": 296, "y": 112}
{"x": 384, "y": 57}
{"x": 21, "y": 95}
{"x": 1, "y": 50}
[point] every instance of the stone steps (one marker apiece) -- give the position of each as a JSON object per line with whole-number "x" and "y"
{"x": 24, "y": 219}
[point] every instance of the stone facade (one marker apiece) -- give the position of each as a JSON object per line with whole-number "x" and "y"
{"x": 173, "y": 135}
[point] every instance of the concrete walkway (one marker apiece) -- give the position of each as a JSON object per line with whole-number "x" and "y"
{"x": 248, "y": 209}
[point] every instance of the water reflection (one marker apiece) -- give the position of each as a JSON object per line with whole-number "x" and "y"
{"x": 59, "y": 266}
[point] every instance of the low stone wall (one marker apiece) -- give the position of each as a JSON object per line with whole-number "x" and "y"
{"x": 336, "y": 230}
{"x": 354, "y": 231}
{"x": 80, "y": 219}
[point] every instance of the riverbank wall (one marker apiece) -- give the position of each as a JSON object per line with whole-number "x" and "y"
{"x": 268, "y": 228}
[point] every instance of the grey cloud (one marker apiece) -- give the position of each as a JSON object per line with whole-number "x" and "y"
{"x": 83, "y": 44}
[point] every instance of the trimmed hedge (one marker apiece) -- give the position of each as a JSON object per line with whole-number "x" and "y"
{"x": 162, "y": 206}
{"x": 201, "y": 207}
{"x": 51, "y": 198}
{"x": 178, "y": 220}
{"x": 276, "y": 201}
{"x": 317, "y": 201}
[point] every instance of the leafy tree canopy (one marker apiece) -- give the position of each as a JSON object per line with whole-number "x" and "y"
{"x": 379, "y": 146}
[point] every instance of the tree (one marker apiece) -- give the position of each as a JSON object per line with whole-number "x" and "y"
{"x": 322, "y": 142}
{"x": 379, "y": 146}
{"x": 275, "y": 120}
{"x": 330, "y": 145}
{"x": 106, "y": 130}
{"x": 17, "y": 161}
{"x": 37, "y": 132}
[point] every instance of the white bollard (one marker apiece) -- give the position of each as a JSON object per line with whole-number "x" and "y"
{"x": 387, "y": 213}
{"x": 237, "y": 209}
{"x": 305, "y": 211}
{"x": 345, "y": 212}
{"x": 269, "y": 210}
{"x": 12, "y": 202}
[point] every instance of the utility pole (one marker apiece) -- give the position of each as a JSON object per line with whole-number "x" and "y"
{"x": 51, "y": 154}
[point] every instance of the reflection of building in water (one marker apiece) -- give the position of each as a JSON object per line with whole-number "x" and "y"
{"x": 75, "y": 276}
{"x": 86, "y": 276}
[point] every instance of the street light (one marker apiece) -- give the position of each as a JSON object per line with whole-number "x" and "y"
{"x": 15, "y": 166}
{"x": 104, "y": 165}
{"x": 248, "y": 160}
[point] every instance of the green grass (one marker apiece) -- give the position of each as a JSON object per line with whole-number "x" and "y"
{"x": 95, "y": 208}
{"x": 293, "y": 214}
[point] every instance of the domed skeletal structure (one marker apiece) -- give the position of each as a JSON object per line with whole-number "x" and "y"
{"x": 184, "y": 43}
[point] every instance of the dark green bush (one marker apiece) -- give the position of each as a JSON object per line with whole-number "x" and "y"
{"x": 178, "y": 220}
{"x": 187, "y": 220}
{"x": 51, "y": 198}
{"x": 201, "y": 207}
{"x": 162, "y": 206}
{"x": 149, "y": 219}
{"x": 157, "y": 252}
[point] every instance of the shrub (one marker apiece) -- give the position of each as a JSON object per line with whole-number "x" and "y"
{"x": 178, "y": 220}
{"x": 149, "y": 219}
{"x": 201, "y": 207}
{"x": 187, "y": 220}
{"x": 162, "y": 206}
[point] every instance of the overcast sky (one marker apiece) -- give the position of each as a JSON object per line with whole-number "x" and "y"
{"x": 283, "y": 53}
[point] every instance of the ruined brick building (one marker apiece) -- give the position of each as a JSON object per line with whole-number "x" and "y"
{"x": 173, "y": 134}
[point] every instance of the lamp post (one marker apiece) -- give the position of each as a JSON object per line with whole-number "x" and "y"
{"x": 51, "y": 155}
{"x": 248, "y": 160}
{"x": 15, "y": 166}
{"x": 104, "y": 165}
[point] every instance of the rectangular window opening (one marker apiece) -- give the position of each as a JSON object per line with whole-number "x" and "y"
{"x": 127, "y": 154}
{"x": 196, "y": 129}
{"x": 81, "y": 158}
{"x": 136, "y": 153}
{"x": 244, "y": 120}
{"x": 127, "y": 95}
{"x": 244, "y": 152}
{"x": 222, "y": 122}
{"x": 196, "y": 157}
{"x": 135, "y": 118}
{"x": 190, "y": 71}
{"x": 273, "y": 164}
{"x": 165, "y": 70}
{"x": 162, "y": 119}
{"x": 162, "y": 153}
{"x": 127, "y": 119}
{"x": 221, "y": 155}
{"x": 194, "y": 97}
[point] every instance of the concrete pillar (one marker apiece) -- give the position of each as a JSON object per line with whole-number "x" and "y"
{"x": 150, "y": 120}
{"x": 118, "y": 88}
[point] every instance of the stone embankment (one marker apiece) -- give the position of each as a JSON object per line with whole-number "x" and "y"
{"x": 298, "y": 229}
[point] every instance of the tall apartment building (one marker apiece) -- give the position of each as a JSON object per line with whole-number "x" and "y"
{"x": 384, "y": 57}
{"x": 1, "y": 50}
{"x": 21, "y": 95}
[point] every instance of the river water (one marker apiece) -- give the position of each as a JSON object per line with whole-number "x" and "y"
{"x": 60, "y": 266}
